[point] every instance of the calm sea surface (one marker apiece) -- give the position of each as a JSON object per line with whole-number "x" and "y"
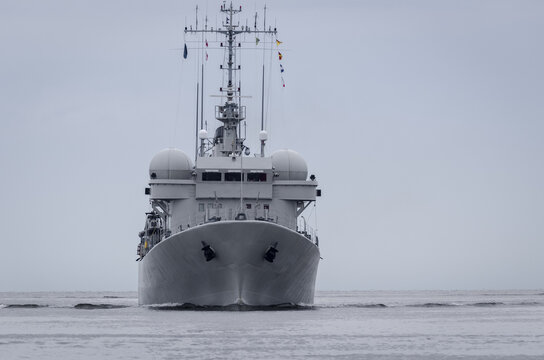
{"x": 342, "y": 325}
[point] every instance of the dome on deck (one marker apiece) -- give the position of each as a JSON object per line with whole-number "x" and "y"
{"x": 171, "y": 164}
{"x": 289, "y": 165}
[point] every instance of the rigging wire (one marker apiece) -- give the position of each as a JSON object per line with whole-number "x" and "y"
{"x": 202, "y": 88}
{"x": 268, "y": 121}
{"x": 281, "y": 98}
{"x": 223, "y": 73}
{"x": 239, "y": 59}
{"x": 263, "y": 122}
{"x": 177, "y": 117}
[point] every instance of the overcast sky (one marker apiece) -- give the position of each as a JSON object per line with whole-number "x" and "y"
{"x": 422, "y": 120}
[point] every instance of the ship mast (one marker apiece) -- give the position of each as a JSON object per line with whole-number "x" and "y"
{"x": 227, "y": 141}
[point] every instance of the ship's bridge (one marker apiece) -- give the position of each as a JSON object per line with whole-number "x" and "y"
{"x": 222, "y": 177}
{"x": 283, "y": 175}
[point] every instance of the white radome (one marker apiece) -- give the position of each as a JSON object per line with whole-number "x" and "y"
{"x": 202, "y": 134}
{"x": 172, "y": 164}
{"x": 263, "y": 135}
{"x": 289, "y": 165}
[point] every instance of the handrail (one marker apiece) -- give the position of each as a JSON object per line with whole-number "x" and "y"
{"x": 202, "y": 218}
{"x": 218, "y": 215}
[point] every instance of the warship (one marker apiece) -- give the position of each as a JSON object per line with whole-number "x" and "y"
{"x": 229, "y": 228}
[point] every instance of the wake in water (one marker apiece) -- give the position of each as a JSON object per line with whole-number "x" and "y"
{"x": 284, "y": 307}
{"x": 324, "y": 300}
{"x": 361, "y": 306}
{"x": 99, "y": 306}
{"x": 489, "y": 303}
{"x": 83, "y": 306}
{"x": 431, "y": 305}
{"x": 22, "y": 306}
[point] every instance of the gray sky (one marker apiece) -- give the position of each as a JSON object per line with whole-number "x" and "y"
{"x": 423, "y": 121}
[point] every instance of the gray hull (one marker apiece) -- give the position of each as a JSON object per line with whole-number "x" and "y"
{"x": 176, "y": 272}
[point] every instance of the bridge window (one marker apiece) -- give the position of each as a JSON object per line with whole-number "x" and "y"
{"x": 211, "y": 176}
{"x": 256, "y": 177}
{"x": 233, "y": 176}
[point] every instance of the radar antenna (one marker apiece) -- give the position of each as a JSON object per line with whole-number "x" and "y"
{"x": 231, "y": 113}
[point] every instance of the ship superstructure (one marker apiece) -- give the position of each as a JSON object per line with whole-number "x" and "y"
{"x": 228, "y": 229}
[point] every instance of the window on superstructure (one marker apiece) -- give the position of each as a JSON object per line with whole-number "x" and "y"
{"x": 233, "y": 176}
{"x": 211, "y": 176}
{"x": 256, "y": 177}
{"x": 248, "y": 206}
{"x": 201, "y": 207}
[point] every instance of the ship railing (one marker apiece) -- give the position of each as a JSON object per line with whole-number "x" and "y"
{"x": 216, "y": 215}
{"x": 309, "y": 232}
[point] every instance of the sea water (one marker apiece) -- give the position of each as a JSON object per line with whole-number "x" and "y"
{"x": 341, "y": 325}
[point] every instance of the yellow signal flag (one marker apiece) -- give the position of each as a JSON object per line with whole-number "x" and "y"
{"x": 278, "y": 42}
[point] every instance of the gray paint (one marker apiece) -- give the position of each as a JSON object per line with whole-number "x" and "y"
{"x": 175, "y": 271}
{"x": 238, "y": 273}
